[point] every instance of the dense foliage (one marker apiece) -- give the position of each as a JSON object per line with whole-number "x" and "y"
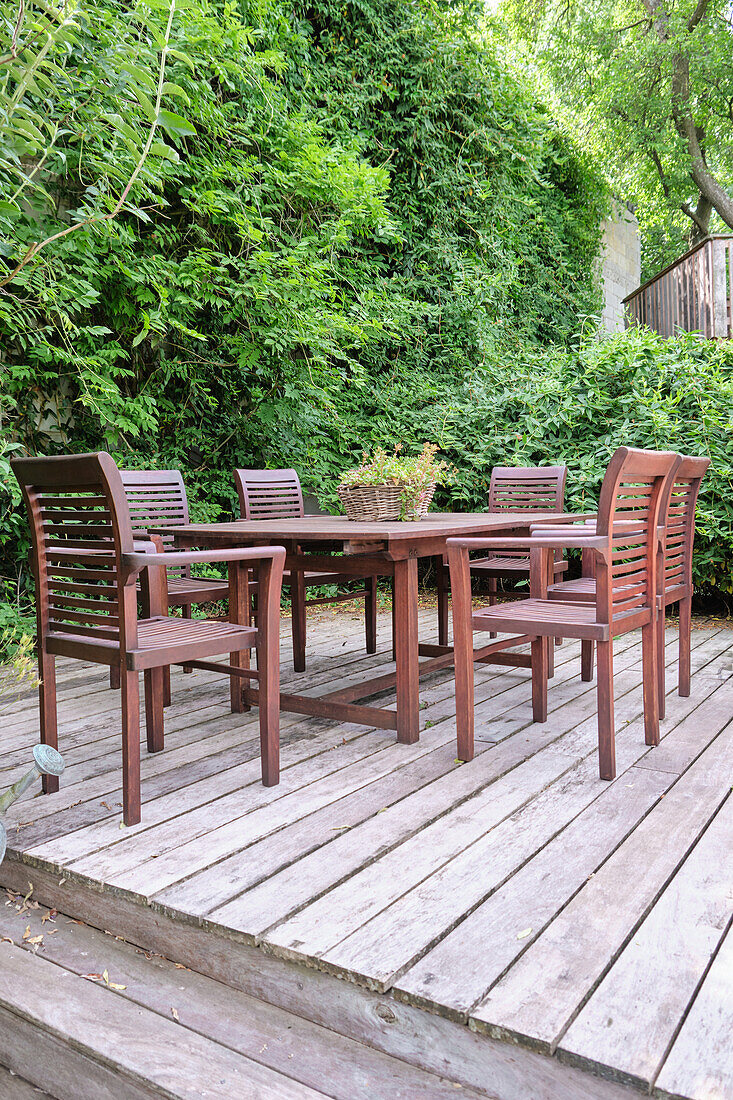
{"x": 649, "y": 84}
{"x": 229, "y": 231}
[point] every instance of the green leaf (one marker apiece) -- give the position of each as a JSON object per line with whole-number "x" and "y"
{"x": 176, "y": 125}
{"x": 9, "y": 209}
{"x": 176, "y": 90}
{"x": 160, "y": 149}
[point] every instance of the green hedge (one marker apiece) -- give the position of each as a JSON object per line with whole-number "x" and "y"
{"x": 534, "y": 406}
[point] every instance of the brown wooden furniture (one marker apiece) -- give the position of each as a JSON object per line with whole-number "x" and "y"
{"x": 388, "y": 549}
{"x": 158, "y": 498}
{"x": 512, "y": 489}
{"x": 86, "y": 564}
{"x": 277, "y": 494}
{"x": 674, "y": 573}
{"x": 624, "y": 545}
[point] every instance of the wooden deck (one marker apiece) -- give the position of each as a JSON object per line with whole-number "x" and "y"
{"x": 512, "y": 926}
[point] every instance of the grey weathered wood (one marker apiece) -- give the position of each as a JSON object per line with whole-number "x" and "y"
{"x": 315, "y": 839}
{"x": 631, "y": 1018}
{"x": 346, "y": 908}
{"x": 541, "y": 994}
{"x": 505, "y": 925}
{"x": 13, "y": 1087}
{"x": 700, "y": 1063}
{"x": 516, "y": 915}
{"x": 316, "y": 1056}
{"x": 143, "y": 1051}
{"x": 427, "y": 1041}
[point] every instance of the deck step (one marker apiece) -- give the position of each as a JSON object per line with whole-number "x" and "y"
{"x": 84, "y": 1014}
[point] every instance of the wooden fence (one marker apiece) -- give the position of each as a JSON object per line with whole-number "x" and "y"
{"x": 694, "y": 294}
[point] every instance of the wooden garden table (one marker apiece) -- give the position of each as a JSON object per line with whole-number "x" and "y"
{"x": 390, "y": 549}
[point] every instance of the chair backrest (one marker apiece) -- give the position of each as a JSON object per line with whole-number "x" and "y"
{"x": 680, "y": 522}
{"x": 527, "y": 488}
{"x": 269, "y": 494}
{"x": 80, "y": 524}
{"x": 156, "y": 498}
{"x": 629, "y": 509}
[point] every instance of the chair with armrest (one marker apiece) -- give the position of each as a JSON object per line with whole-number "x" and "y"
{"x": 157, "y": 498}
{"x": 277, "y": 494}
{"x": 624, "y": 546}
{"x": 511, "y": 489}
{"x": 674, "y": 573}
{"x": 87, "y": 564}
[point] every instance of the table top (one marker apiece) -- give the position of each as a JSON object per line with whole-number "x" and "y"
{"x": 341, "y": 529}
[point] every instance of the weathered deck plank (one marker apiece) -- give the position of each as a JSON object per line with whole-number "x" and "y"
{"x": 505, "y": 893}
{"x": 544, "y": 990}
{"x": 700, "y": 1063}
{"x": 631, "y": 1019}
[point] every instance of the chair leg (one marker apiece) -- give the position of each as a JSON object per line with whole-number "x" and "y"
{"x": 268, "y": 685}
{"x": 550, "y": 645}
{"x": 114, "y": 677}
{"x": 297, "y": 598}
{"x": 685, "y": 642}
{"x": 394, "y": 612}
{"x": 661, "y": 681}
{"x": 48, "y": 713}
{"x": 463, "y": 660}
{"x": 492, "y": 599}
{"x": 167, "y": 686}
{"x": 540, "y": 669}
{"x": 606, "y": 724}
{"x": 186, "y": 612}
{"x": 154, "y": 703}
{"x": 442, "y": 601}
{"x": 650, "y": 682}
{"x": 130, "y": 691}
{"x": 586, "y": 661}
{"x": 370, "y": 614}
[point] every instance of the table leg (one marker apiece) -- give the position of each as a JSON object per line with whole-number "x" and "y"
{"x": 238, "y": 613}
{"x": 406, "y": 651}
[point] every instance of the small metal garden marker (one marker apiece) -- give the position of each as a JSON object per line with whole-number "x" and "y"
{"x": 47, "y": 762}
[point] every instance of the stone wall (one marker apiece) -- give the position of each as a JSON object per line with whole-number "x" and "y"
{"x": 620, "y": 264}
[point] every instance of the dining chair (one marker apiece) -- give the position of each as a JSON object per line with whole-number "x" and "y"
{"x": 86, "y": 563}
{"x": 277, "y": 494}
{"x": 511, "y": 489}
{"x": 158, "y": 499}
{"x": 624, "y": 545}
{"x": 674, "y": 574}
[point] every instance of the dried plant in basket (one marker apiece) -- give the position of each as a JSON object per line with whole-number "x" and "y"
{"x": 392, "y": 486}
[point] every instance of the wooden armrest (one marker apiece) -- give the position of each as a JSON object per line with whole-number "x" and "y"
{"x": 553, "y": 541}
{"x": 140, "y": 560}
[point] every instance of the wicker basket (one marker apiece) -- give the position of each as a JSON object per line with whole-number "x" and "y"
{"x": 381, "y": 502}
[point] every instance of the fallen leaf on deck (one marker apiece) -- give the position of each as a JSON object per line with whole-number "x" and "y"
{"x": 524, "y": 933}
{"x": 174, "y": 1014}
{"x": 92, "y": 977}
{"x": 6, "y": 939}
{"x": 50, "y": 915}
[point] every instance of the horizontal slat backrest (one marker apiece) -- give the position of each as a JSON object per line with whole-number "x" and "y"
{"x": 156, "y": 498}
{"x": 631, "y": 496}
{"x": 80, "y": 525}
{"x": 269, "y": 494}
{"x": 680, "y": 522}
{"x": 527, "y": 489}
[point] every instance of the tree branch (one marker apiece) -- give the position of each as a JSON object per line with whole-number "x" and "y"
{"x": 37, "y": 246}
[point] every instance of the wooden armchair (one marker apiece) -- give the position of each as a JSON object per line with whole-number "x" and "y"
{"x": 624, "y": 546}
{"x": 511, "y": 489}
{"x": 157, "y": 498}
{"x": 674, "y": 573}
{"x": 275, "y": 494}
{"x": 87, "y": 563}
